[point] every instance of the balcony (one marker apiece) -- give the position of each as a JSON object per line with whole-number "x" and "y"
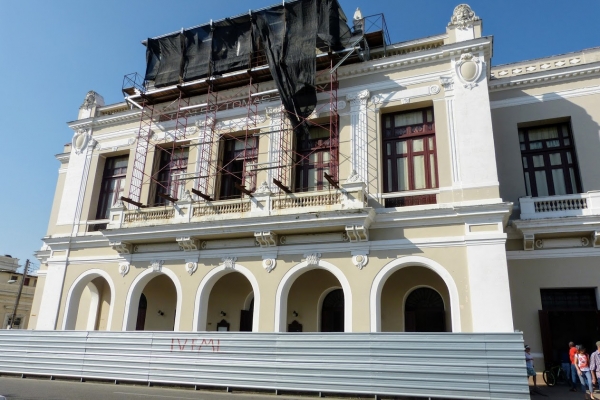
{"x": 264, "y": 205}
{"x": 571, "y": 205}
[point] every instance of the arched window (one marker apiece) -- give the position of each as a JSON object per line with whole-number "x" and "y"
{"x": 424, "y": 311}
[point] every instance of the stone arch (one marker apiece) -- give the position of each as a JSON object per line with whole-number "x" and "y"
{"x": 74, "y": 294}
{"x": 408, "y": 261}
{"x": 203, "y": 294}
{"x": 290, "y": 277}
{"x": 136, "y": 289}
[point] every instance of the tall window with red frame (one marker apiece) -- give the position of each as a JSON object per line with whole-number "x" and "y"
{"x": 172, "y": 164}
{"x": 409, "y": 151}
{"x": 113, "y": 184}
{"x": 316, "y": 155}
{"x": 238, "y": 155}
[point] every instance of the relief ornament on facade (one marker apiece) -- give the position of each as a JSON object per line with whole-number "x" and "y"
{"x": 156, "y": 265}
{"x": 463, "y": 17}
{"x": 312, "y": 258}
{"x": 191, "y": 267}
{"x": 468, "y": 69}
{"x": 229, "y": 262}
{"x": 81, "y": 139}
{"x": 360, "y": 260}
{"x": 124, "y": 268}
{"x": 269, "y": 264}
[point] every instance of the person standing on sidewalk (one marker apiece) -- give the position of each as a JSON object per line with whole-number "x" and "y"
{"x": 582, "y": 362}
{"x": 595, "y": 364}
{"x": 529, "y": 364}
{"x": 573, "y": 373}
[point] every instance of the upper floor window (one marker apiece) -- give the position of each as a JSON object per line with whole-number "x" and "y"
{"x": 238, "y": 156}
{"x": 113, "y": 184}
{"x": 409, "y": 151}
{"x": 316, "y": 155}
{"x": 549, "y": 162}
{"x": 172, "y": 164}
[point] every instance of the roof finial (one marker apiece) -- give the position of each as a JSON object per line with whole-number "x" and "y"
{"x": 358, "y": 14}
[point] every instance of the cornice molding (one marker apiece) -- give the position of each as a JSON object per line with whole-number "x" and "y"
{"x": 545, "y": 77}
{"x": 541, "y": 98}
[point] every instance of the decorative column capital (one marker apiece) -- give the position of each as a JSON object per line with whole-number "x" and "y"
{"x": 358, "y": 99}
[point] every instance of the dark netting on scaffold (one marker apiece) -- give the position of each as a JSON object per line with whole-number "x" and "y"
{"x": 169, "y": 51}
{"x": 289, "y": 35}
{"x": 232, "y": 44}
{"x": 198, "y": 48}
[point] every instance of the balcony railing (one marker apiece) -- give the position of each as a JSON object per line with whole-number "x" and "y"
{"x": 570, "y": 205}
{"x": 350, "y": 196}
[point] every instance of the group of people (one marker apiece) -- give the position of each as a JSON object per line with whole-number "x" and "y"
{"x": 580, "y": 367}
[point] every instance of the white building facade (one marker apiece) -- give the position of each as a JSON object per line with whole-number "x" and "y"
{"x": 451, "y": 197}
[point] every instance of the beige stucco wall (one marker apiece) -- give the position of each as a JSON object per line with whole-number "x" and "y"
{"x": 231, "y": 291}
{"x": 527, "y": 277}
{"x": 585, "y": 121}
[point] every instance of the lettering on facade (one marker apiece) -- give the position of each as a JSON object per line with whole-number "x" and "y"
{"x": 228, "y": 105}
{"x": 212, "y": 345}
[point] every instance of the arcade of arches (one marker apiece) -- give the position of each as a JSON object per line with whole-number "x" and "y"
{"x": 413, "y": 299}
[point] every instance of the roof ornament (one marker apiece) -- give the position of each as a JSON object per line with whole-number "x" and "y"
{"x": 357, "y": 14}
{"x": 463, "y": 16}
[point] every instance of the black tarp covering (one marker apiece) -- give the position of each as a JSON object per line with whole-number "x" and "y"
{"x": 198, "y": 48}
{"x": 232, "y": 44}
{"x": 171, "y": 59}
{"x": 288, "y": 33}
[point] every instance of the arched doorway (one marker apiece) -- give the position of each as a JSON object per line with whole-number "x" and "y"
{"x": 162, "y": 294}
{"x": 332, "y": 312}
{"x": 90, "y": 302}
{"x": 424, "y": 311}
{"x": 316, "y": 301}
{"x": 227, "y": 308}
{"x": 413, "y": 299}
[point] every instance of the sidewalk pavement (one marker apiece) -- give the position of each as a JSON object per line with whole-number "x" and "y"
{"x": 558, "y": 392}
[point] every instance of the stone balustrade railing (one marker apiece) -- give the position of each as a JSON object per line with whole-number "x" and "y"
{"x": 571, "y": 205}
{"x": 349, "y": 196}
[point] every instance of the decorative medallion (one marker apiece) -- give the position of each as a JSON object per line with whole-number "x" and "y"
{"x": 463, "y": 17}
{"x": 191, "y": 267}
{"x": 360, "y": 260}
{"x": 124, "y": 268}
{"x": 269, "y": 264}
{"x": 80, "y": 140}
{"x": 468, "y": 69}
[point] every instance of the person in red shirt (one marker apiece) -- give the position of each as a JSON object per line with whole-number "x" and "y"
{"x": 574, "y": 376}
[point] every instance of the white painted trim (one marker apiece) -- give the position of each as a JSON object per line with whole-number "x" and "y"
{"x": 288, "y": 280}
{"x": 136, "y": 289}
{"x": 408, "y": 261}
{"x": 248, "y": 300}
{"x": 320, "y": 304}
{"x": 554, "y": 253}
{"x": 203, "y": 295}
{"x": 94, "y": 302}
{"x": 541, "y": 98}
{"x": 412, "y": 290}
{"x": 74, "y": 296}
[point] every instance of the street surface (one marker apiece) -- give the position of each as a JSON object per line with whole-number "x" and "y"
{"x": 14, "y": 388}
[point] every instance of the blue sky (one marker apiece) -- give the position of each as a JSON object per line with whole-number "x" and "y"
{"x": 53, "y": 52}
